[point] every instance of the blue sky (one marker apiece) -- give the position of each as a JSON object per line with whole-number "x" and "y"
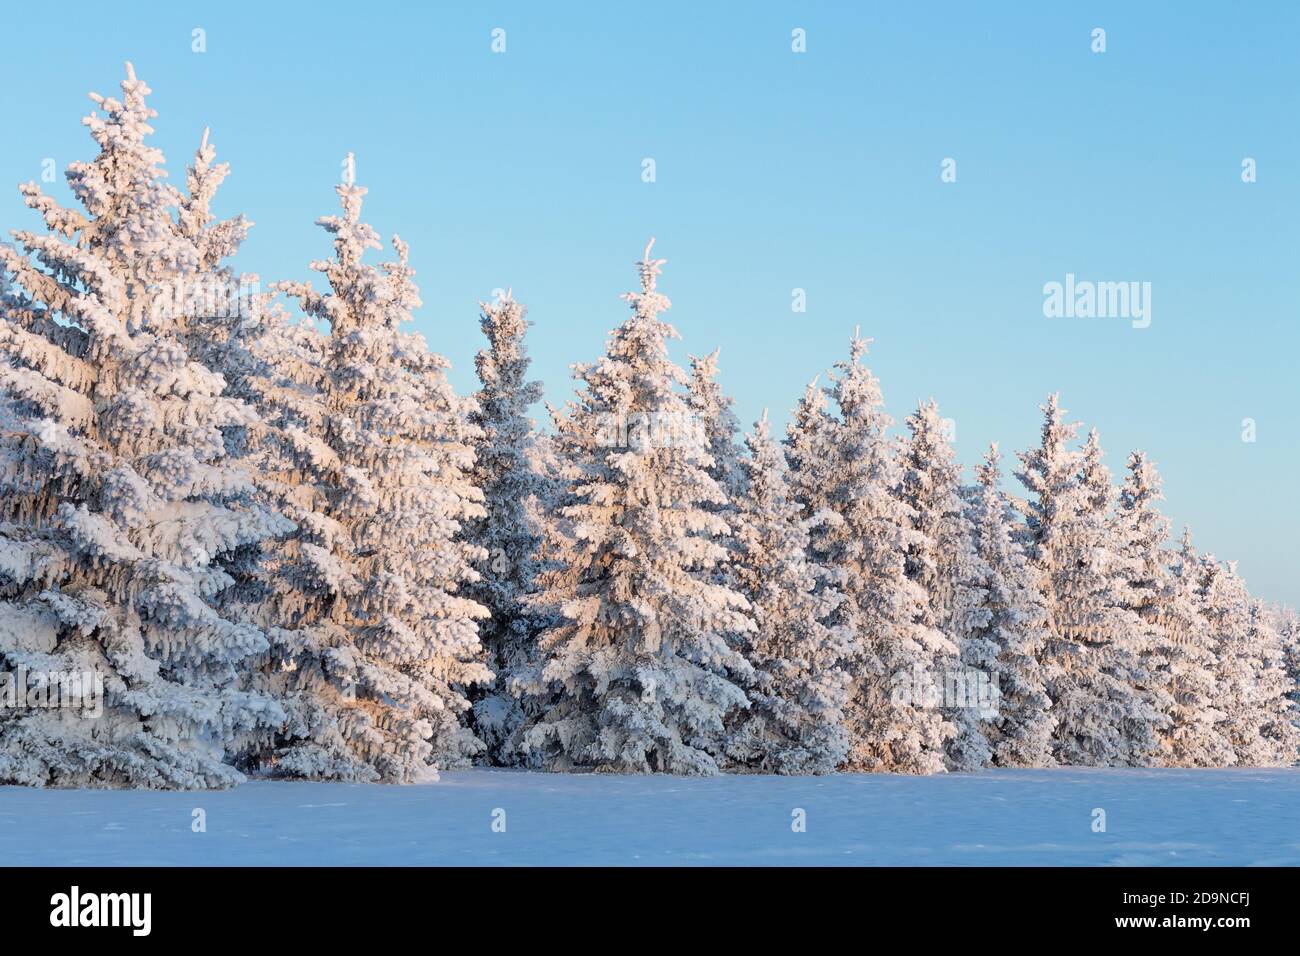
{"x": 776, "y": 171}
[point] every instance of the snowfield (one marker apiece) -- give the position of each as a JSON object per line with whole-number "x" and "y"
{"x": 1002, "y": 817}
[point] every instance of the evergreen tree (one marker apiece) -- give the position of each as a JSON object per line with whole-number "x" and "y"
{"x": 386, "y": 648}
{"x": 643, "y": 655}
{"x": 211, "y": 311}
{"x": 1252, "y": 681}
{"x": 1017, "y": 625}
{"x": 713, "y": 410}
{"x": 1289, "y": 630}
{"x": 943, "y": 561}
{"x": 1092, "y": 664}
{"x": 118, "y": 502}
{"x": 1277, "y": 721}
{"x": 799, "y": 688}
{"x": 811, "y": 474}
{"x": 1140, "y": 534}
{"x": 863, "y": 533}
{"x": 807, "y": 442}
{"x": 508, "y": 531}
{"x": 1227, "y": 609}
{"x": 1191, "y": 736}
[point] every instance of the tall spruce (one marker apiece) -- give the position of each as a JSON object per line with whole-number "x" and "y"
{"x": 795, "y": 723}
{"x": 714, "y": 412}
{"x": 508, "y": 531}
{"x": 1121, "y": 561}
{"x": 1092, "y": 661}
{"x": 1278, "y": 713}
{"x": 1289, "y": 630}
{"x": 944, "y": 562}
{"x": 644, "y": 653}
{"x": 1191, "y": 736}
{"x": 1021, "y": 733}
{"x": 386, "y": 649}
{"x": 1141, "y": 533}
{"x": 848, "y": 467}
{"x": 118, "y": 501}
{"x": 1251, "y": 670}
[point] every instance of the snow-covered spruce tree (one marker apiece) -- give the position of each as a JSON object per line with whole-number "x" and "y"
{"x": 943, "y": 561}
{"x": 643, "y": 655}
{"x": 1191, "y": 736}
{"x": 713, "y": 410}
{"x": 511, "y": 487}
{"x": 808, "y": 442}
{"x": 389, "y": 644}
{"x": 1289, "y": 629}
{"x": 719, "y": 427}
{"x": 557, "y": 459}
{"x": 117, "y": 500}
{"x": 812, "y": 476}
{"x": 1133, "y": 652}
{"x": 1251, "y": 672}
{"x": 799, "y": 688}
{"x": 1279, "y": 719}
{"x": 213, "y": 308}
{"x": 1021, "y": 734}
{"x": 863, "y": 533}
{"x": 1141, "y": 533}
{"x": 1092, "y": 664}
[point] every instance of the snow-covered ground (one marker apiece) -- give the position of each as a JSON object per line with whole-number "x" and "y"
{"x": 1032, "y": 817}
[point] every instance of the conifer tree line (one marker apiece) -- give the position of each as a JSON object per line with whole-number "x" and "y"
{"x": 289, "y": 549}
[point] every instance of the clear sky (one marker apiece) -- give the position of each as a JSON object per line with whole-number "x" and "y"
{"x": 774, "y": 171}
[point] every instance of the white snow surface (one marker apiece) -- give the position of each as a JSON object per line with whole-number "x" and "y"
{"x": 996, "y": 817}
